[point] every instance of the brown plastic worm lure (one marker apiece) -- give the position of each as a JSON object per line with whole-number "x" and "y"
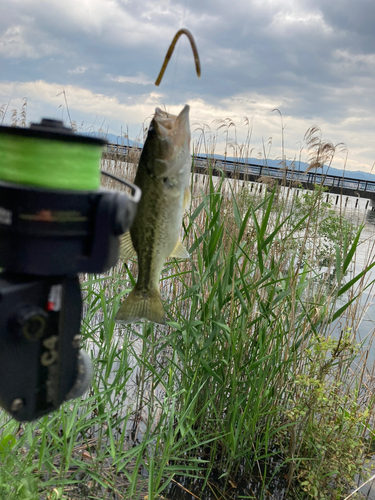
{"x": 170, "y": 52}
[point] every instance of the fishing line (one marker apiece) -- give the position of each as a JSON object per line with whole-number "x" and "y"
{"x": 57, "y": 159}
{"x": 173, "y": 79}
{"x": 177, "y": 56}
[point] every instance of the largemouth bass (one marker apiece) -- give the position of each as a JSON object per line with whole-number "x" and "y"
{"x": 163, "y": 175}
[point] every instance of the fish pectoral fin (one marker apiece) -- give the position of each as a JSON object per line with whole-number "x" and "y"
{"x": 127, "y": 250}
{"x": 187, "y": 199}
{"x": 179, "y": 251}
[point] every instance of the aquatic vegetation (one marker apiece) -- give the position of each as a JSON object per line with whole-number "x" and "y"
{"x": 258, "y": 374}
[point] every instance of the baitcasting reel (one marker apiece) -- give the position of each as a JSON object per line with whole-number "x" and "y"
{"x": 47, "y": 236}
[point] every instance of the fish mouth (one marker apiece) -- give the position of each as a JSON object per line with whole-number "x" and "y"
{"x": 164, "y": 120}
{"x": 160, "y": 114}
{"x": 172, "y": 132}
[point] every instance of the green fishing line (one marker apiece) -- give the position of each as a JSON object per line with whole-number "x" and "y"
{"x": 49, "y": 163}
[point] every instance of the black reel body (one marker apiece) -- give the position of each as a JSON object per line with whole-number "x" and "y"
{"x": 41, "y": 365}
{"x": 48, "y": 233}
{"x": 46, "y": 237}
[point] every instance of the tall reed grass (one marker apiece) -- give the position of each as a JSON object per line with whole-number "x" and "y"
{"x": 258, "y": 377}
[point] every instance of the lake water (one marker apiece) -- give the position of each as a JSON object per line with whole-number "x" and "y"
{"x": 364, "y": 256}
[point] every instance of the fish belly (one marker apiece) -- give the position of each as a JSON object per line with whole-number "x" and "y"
{"x": 154, "y": 235}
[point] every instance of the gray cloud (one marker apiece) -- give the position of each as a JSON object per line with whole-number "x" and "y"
{"x": 316, "y": 59}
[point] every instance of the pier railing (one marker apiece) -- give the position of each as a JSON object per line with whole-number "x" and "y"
{"x": 252, "y": 172}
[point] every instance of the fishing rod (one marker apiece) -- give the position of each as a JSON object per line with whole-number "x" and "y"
{"x": 55, "y": 222}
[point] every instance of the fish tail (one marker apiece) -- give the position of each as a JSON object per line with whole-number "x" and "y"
{"x": 140, "y": 305}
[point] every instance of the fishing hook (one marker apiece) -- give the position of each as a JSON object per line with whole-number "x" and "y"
{"x": 170, "y": 52}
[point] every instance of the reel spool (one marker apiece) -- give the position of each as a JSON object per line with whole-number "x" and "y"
{"x": 55, "y": 222}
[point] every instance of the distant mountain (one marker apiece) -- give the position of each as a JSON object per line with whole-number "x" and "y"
{"x": 115, "y": 139}
{"x": 348, "y": 174}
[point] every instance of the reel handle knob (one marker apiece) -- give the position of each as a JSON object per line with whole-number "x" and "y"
{"x": 29, "y": 322}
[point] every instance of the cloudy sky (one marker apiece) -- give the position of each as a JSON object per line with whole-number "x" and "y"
{"x": 313, "y": 60}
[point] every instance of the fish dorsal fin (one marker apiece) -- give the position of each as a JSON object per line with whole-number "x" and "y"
{"x": 127, "y": 251}
{"x": 179, "y": 251}
{"x": 187, "y": 199}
